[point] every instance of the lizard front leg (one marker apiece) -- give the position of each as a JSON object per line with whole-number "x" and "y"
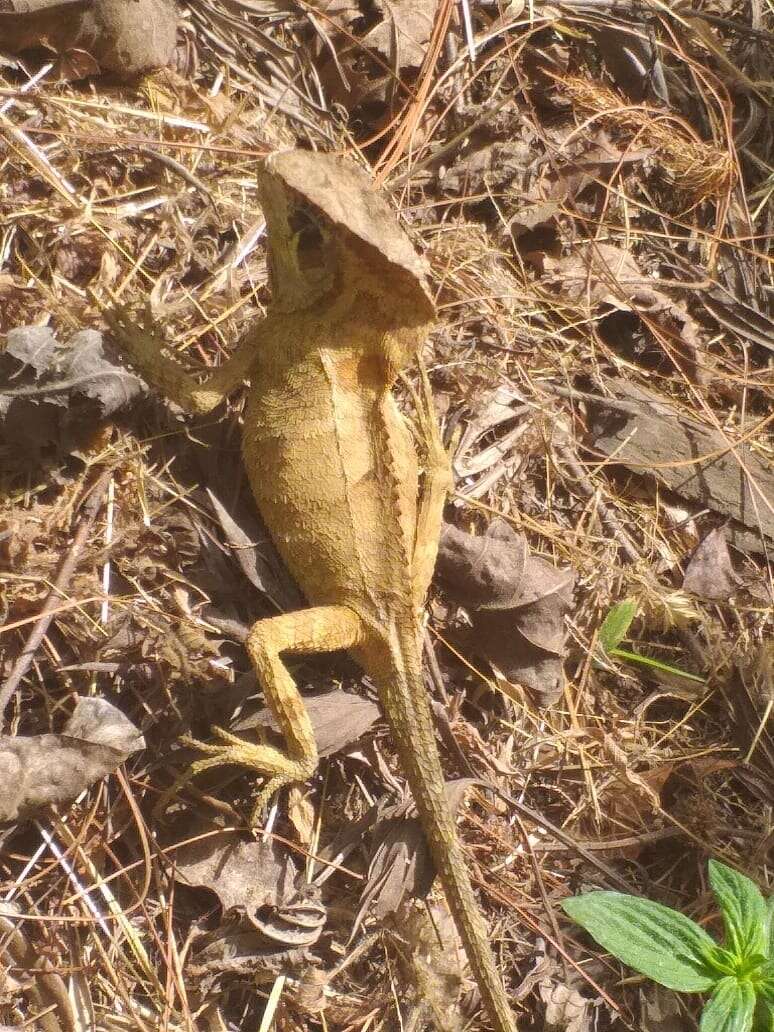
{"x": 142, "y": 347}
{"x": 322, "y": 629}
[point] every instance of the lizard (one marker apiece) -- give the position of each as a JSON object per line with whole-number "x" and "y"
{"x": 335, "y": 474}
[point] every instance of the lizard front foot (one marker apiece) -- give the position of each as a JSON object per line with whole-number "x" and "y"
{"x": 280, "y": 768}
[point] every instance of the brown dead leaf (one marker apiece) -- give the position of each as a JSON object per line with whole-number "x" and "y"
{"x": 401, "y": 37}
{"x": 517, "y": 603}
{"x": 78, "y": 367}
{"x": 633, "y": 61}
{"x": 710, "y": 573}
{"x": 127, "y": 39}
{"x": 660, "y": 1011}
{"x": 401, "y": 865}
{"x": 42, "y": 769}
{"x": 243, "y": 873}
{"x": 257, "y": 556}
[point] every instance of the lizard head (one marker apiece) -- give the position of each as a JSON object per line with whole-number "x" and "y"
{"x": 329, "y": 231}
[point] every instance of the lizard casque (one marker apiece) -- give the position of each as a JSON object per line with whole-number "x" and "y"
{"x": 334, "y": 472}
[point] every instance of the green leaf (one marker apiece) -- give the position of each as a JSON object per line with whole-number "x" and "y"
{"x": 656, "y": 664}
{"x": 730, "y": 1008}
{"x": 617, "y": 623}
{"x": 744, "y": 911}
{"x": 770, "y": 927}
{"x": 653, "y": 939}
{"x": 763, "y": 1021}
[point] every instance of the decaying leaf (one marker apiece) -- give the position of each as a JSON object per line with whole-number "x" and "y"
{"x": 436, "y": 963}
{"x": 78, "y": 367}
{"x": 660, "y": 1010}
{"x": 633, "y": 61}
{"x": 256, "y": 883}
{"x": 42, "y": 769}
{"x": 127, "y": 39}
{"x": 655, "y": 438}
{"x": 517, "y": 604}
{"x": 710, "y": 573}
{"x": 243, "y": 873}
{"x": 52, "y": 394}
{"x": 404, "y": 31}
{"x": 257, "y": 556}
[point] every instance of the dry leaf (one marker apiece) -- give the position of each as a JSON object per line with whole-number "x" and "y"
{"x": 603, "y": 274}
{"x": 660, "y": 1011}
{"x": 339, "y": 718}
{"x": 404, "y": 31}
{"x": 257, "y": 556}
{"x": 78, "y": 367}
{"x": 710, "y": 573}
{"x": 127, "y": 39}
{"x": 42, "y": 769}
{"x": 401, "y": 865}
{"x": 517, "y": 604}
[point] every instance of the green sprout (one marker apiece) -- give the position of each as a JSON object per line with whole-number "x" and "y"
{"x": 613, "y": 631}
{"x": 674, "y": 951}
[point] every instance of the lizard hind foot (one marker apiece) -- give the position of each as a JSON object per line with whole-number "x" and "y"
{"x": 280, "y": 768}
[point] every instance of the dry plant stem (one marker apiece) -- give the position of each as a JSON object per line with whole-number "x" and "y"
{"x": 24, "y": 660}
{"x": 45, "y": 990}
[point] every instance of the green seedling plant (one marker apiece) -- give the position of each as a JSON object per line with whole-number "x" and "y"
{"x": 613, "y": 631}
{"x": 674, "y": 951}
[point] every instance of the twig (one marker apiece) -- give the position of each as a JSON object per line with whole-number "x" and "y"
{"x": 39, "y": 631}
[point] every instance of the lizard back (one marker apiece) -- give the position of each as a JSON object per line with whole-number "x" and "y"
{"x": 333, "y": 468}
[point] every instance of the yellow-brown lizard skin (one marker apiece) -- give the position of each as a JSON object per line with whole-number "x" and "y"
{"x": 333, "y": 469}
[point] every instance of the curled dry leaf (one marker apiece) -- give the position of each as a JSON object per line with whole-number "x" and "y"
{"x": 42, "y": 769}
{"x": 404, "y": 31}
{"x": 243, "y": 873}
{"x": 710, "y": 573}
{"x": 257, "y": 556}
{"x": 567, "y": 1010}
{"x": 517, "y": 604}
{"x": 89, "y": 36}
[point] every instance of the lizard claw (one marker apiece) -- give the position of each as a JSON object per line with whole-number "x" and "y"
{"x": 265, "y": 759}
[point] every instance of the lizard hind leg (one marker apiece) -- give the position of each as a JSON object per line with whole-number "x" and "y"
{"x": 321, "y": 629}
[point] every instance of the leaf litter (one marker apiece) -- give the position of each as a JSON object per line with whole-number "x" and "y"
{"x": 592, "y": 191}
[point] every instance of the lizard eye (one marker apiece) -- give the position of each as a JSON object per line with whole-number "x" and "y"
{"x": 310, "y": 248}
{"x": 310, "y": 241}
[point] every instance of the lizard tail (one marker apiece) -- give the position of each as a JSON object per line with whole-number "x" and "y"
{"x": 405, "y": 703}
